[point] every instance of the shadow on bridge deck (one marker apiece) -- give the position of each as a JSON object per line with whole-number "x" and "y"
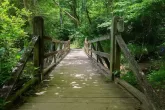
{"x": 75, "y": 84}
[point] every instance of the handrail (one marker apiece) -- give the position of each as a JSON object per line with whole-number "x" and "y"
{"x": 8, "y": 86}
{"x": 147, "y": 88}
{"x": 53, "y": 40}
{"x": 105, "y": 37}
{"x": 117, "y": 46}
{"x": 96, "y": 53}
{"x": 61, "y": 52}
{"x": 57, "y": 51}
{"x": 35, "y": 49}
{"x": 102, "y": 54}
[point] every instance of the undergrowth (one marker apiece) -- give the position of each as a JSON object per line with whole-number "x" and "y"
{"x": 157, "y": 78}
{"x": 130, "y": 78}
{"x": 2, "y": 104}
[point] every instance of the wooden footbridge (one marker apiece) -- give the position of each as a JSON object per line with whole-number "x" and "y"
{"x": 77, "y": 79}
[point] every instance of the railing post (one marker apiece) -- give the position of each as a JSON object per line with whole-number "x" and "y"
{"x": 87, "y": 47}
{"x": 97, "y": 49}
{"x": 120, "y": 28}
{"x": 54, "y": 49}
{"x": 112, "y": 57}
{"x": 91, "y": 47}
{"x": 38, "y": 28}
{"x": 69, "y": 45}
{"x": 116, "y": 28}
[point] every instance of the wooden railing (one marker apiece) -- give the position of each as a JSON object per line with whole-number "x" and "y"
{"x": 58, "y": 51}
{"x": 96, "y": 52}
{"x": 109, "y": 64}
{"x": 43, "y": 61}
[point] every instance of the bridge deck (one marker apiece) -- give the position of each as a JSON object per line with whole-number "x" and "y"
{"x": 75, "y": 84}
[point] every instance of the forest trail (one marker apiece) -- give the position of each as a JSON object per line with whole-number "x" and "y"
{"x": 75, "y": 84}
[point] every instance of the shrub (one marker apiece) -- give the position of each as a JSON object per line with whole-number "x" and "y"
{"x": 2, "y": 104}
{"x": 11, "y": 31}
{"x": 157, "y": 78}
{"x": 130, "y": 78}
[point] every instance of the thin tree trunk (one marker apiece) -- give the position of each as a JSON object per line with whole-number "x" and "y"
{"x": 25, "y": 4}
{"x": 73, "y": 7}
{"x": 61, "y": 18}
{"x": 89, "y": 19}
{"x": 68, "y": 14}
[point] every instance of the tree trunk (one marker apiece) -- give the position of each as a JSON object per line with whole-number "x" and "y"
{"x": 73, "y": 7}
{"x": 89, "y": 19}
{"x": 25, "y": 2}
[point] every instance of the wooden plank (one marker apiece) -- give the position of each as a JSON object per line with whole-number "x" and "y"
{"x": 102, "y": 54}
{"x": 147, "y": 88}
{"x": 138, "y": 94}
{"x": 106, "y": 37}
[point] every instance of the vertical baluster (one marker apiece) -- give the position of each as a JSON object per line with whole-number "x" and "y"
{"x": 91, "y": 47}
{"x": 54, "y": 49}
{"x": 97, "y": 49}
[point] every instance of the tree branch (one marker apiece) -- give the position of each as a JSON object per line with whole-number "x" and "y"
{"x": 67, "y": 13}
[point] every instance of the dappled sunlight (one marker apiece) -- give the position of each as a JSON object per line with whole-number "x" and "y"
{"x": 76, "y": 62}
{"x": 74, "y": 58}
{"x": 79, "y": 75}
{"x": 76, "y": 87}
{"x": 76, "y": 81}
{"x": 40, "y": 93}
{"x": 56, "y": 93}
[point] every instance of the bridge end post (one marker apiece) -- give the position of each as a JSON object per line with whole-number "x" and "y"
{"x": 116, "y": 29}
{"x": 38, "y": 58}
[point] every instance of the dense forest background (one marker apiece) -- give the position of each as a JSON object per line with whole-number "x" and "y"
{"x": 78, "y": 19}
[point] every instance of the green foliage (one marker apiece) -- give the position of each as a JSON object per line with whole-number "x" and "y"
{"x": 2, "y": 104}
{"x": 138, "y": 51}
{"x": 29, "y": 71}
{"x": 77, "y": 40}
{"x": 142, "y": 18}
{"x": 12, "y": 21}
{"x": 130, "y": 78}
{"x": 157, "y": 78}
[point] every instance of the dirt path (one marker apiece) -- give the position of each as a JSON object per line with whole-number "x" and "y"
{"x": 75, "y": 84}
